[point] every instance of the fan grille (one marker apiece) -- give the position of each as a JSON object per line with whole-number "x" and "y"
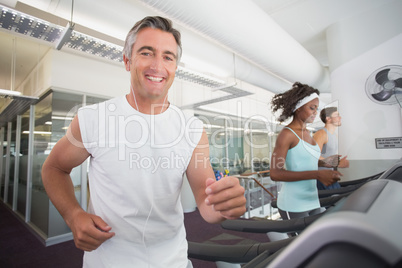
{"x": 384, "y": 85}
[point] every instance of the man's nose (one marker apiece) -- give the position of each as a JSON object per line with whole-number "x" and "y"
{"x": 156, "y": 63}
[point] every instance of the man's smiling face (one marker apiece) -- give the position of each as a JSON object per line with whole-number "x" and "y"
{"x": 153, "y": 63}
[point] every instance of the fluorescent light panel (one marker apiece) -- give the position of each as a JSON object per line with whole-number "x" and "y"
{"x": 198, "y": 78}
{"x": 38, "y": 132}
{"x": 21, "y": 23}
{"x": 7, "y": 92}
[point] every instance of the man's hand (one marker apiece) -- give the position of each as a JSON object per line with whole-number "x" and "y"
{"x": 343, "y": 163}
{"x": 89, "y": 231}
{"x": 331, "y": 161}
{"x": 226, "y": 196}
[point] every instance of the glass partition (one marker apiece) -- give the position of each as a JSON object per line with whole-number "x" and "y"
{"x": 92, "y": 100}
{"x": 238, "y": 145}
{"x": 244, "y": 147}
{"x": 236, "y": 149}
{"x": 9, "y": 159}
{"x": 257, "y": 146}
{"x": 217, "y": 137}
{"x": 25, "y": 193}
{"x": 42, "y": 131}
{"x": 23, "y": 166}
{"x": 53, "y": 115}
{"x": 11, "y": 165}
{"x": 3, "y": 159}
{"x": 5, "y": 173}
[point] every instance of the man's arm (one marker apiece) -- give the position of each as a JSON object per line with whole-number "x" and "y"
{"x": 216, "y": 200}
{"x": 89, "y": 230}
{"x": 320, "y": 138}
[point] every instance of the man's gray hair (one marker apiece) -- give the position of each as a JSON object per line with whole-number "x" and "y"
{"x": 155, "y": 22}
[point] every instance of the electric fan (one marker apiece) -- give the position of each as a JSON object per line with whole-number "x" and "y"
{"x": 384, "y": 86}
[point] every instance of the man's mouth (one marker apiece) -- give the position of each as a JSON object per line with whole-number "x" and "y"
{"x": 154, "y": 79}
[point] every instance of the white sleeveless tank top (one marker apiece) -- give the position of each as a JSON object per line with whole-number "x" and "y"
{"x": 329, "y": 148}
{"x": 136, "y": 170}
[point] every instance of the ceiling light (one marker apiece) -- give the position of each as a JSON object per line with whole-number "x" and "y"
{"x": 38, "y": 132}
{"x": 67, "y": 118}
{"x": 7, "y": 92}
{"x": 198, "y": 78}
{"x": 94, "y": 46}
{"x": 67, "y": 37}
{"x": 212, "y": 126}
{"x": 21, "y": 23}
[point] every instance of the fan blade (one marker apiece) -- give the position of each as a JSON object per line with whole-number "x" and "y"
{"x": 382, "y": 95}
{"x": 382, "y": 76}
{"x": 398, "y": 82}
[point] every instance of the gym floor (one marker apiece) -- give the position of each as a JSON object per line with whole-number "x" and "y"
{"x": 20, "y": 248}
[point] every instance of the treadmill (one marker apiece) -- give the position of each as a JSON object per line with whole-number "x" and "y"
{"x": 363, "y": 230}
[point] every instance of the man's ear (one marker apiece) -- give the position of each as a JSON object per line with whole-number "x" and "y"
{"x": 126, "y": 63}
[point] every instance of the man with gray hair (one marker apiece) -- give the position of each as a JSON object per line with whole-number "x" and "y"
{"x": 140, "y": 146}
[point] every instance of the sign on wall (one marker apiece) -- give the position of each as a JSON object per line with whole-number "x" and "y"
{"x": 388, "y": 143}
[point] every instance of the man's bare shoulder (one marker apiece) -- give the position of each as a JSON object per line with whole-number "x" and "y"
{"x": 320, "y": 133}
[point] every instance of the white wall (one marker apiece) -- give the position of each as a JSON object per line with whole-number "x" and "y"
{"x": 39, "y": 79}
{"x": 351, "y": 38}
{"x": 362, "y": 119}
{"x": 86, "y": 74}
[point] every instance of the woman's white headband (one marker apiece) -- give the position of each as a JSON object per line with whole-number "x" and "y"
{"x": 305, "y": 100}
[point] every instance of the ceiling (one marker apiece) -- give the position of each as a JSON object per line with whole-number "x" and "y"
{"x": 303, "y": 22}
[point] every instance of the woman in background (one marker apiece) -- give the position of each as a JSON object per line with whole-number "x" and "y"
{"x": 296, "y": 150}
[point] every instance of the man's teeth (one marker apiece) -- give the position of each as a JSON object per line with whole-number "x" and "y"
{"x": 155, "y": 79}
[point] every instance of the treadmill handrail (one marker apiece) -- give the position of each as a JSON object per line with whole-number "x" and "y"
{"x": 234, "y": 253}
{"x": 366, "y": 179}
{"x": 324, "y": 201}
{"x": 264, "y": 226}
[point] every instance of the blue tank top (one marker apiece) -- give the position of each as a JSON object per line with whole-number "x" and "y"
{"x": 300, "y": 196}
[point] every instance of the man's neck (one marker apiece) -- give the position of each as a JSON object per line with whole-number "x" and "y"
{"x": 331, "y": 128}
{"x": 147, "y": 106}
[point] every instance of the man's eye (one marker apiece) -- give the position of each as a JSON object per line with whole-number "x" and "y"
{"x": 145, "y": 53}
